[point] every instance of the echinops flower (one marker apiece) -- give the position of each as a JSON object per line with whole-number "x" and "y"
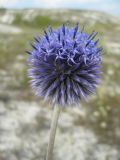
{"x": 65, "y": 65}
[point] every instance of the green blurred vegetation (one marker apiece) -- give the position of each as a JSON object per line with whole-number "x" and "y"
{"x": 2, "y": 10}
{"x": 37, "y": 22}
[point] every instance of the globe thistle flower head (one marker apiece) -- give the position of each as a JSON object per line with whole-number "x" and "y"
{"x": 65, "y": 65}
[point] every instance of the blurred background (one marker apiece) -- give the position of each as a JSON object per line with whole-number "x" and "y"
{"x": 88, "y": 132}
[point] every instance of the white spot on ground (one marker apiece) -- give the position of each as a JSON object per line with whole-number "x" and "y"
{"x": 4, "y": 28}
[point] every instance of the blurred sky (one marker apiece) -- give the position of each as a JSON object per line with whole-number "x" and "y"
{"x": 110, "y": 6}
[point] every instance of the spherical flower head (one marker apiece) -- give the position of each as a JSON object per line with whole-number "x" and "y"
{"x": 65, "y": 65}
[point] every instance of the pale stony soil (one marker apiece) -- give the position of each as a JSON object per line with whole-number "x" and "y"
{"x": 4, "y": 28}
{"x": 24, "y": 128}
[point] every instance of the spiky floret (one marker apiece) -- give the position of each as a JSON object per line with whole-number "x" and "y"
{"x": 65, "y": 65}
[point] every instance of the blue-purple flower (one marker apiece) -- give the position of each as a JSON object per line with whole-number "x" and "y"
{"x": 65, "y": 65}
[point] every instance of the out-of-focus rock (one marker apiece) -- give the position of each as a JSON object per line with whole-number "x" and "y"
{"x": 4, "y": 28}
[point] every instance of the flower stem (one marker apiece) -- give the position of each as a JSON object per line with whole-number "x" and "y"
{"x": 53, "y": 128}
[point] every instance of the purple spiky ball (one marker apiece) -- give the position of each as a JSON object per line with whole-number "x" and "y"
{"x": 65, "y": 65}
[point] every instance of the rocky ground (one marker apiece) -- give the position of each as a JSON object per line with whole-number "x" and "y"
{"x": 9, "y": 29}
{"x": 24, "y": 129}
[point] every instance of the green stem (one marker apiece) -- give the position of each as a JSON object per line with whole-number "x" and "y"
{"x": 53, "y": 128}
